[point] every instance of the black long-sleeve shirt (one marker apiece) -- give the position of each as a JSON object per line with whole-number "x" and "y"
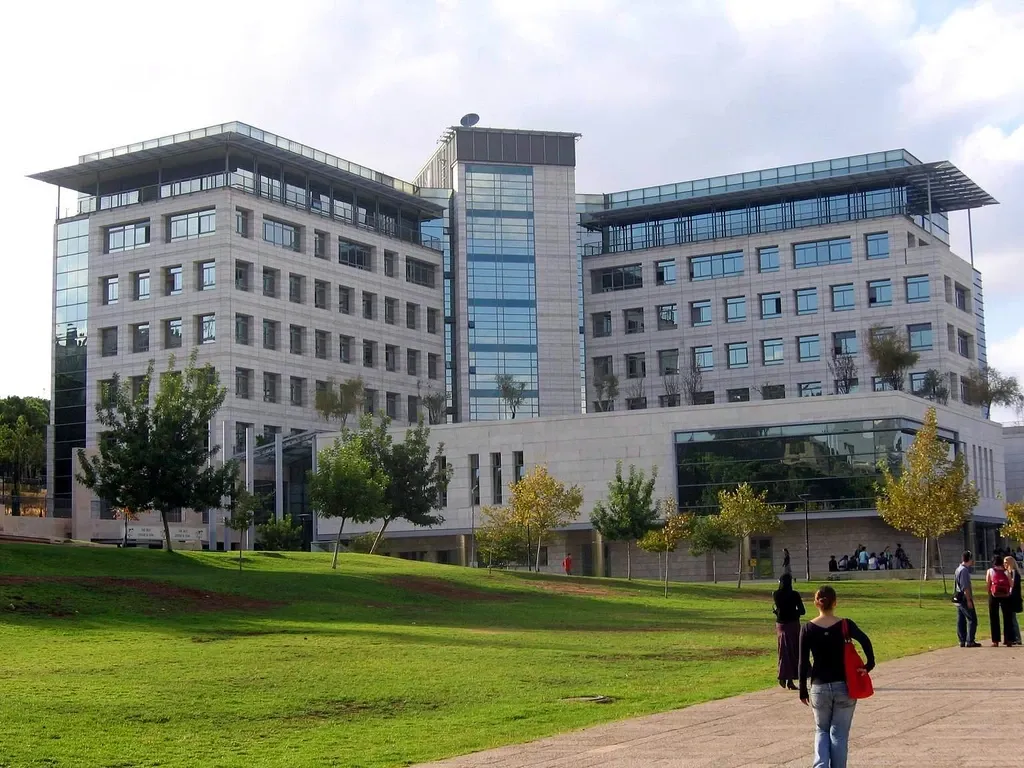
{"x": 825, "y": 644}
{"x": 788, "y": 606}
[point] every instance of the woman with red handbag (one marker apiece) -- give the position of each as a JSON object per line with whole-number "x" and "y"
{"x": 837, "y": 677}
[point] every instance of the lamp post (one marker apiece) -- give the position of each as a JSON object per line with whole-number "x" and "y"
{"x": 807, "y": 537}
{"x": 474, "y": 495}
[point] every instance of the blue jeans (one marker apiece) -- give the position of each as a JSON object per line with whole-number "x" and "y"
{"x": 833, "y": 716}
{"x": 966, "y": 623}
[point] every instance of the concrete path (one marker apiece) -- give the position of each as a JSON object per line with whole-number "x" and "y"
{"x": 937, "y": 709}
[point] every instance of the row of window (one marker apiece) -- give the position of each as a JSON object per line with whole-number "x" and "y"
{"x": 298, "y": 395}
{"x": 497, "y": 486}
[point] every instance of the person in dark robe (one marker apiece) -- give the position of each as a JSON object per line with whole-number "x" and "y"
{"x": 788, "y": 610}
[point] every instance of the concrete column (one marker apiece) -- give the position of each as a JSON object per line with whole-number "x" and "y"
{"x": 250, "y": 475}
{"x": 463, "y": 550}
{"x": 315, "y": 461}
{"x": 599, "y": 554}
{"x": 278, "y": 476}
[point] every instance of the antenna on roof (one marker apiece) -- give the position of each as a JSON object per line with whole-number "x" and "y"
{"x": 468, "y": 121}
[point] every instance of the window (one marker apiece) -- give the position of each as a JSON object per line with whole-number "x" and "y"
{"x": 518, "y": 465}
{"x": 771, "y": 305}
{"x": 369, "y": 354}
{"x": 667, "y": 317}
{"x": 668, "y": 362}
{"x": 807, "y": 301}
{"x": 665, "y": 272}
{"x": 602, "y": 324}
{"x": 354, "y": 255}
{"x": 842, "y": 297}
{"x": 960, "y": 296}
{"x": 128, "y": 237}
{"x": 736, "y": 309}
{"x": 918, "y": 289}
{"x": 109, "y": 286}
{"x": 390, "y": 310}
{"x": 636, "y": 403}
{"x": 321, "y": 344}
{"x": 768, "y": 259}
{"x": 413, "y": 409}
{"x": 243, "y": 383}
{"x": 771, "y": 351}
{"x": 877, "y": 245}
{"x": 390, "y": 261}
{"x": 496, "y": 478}
{"x": 880, "y": 293}
{"x": 207, "y": 327}
{"x": 741, "y": 395}
{"x": 420, "y": 272}
{"x": 243, "y": 276}
{"x": 773, "y": 392}
{"x": 108, "y": 341}
{"x": 369, "y": 305}
{"x": 704, "y": 398}
{"x": 241, "y": 431}
{"x": 281, "y": 234}
{"x": 412, "y": 362}
{"x": 846, "y": 386}
{"x": 270, "y": 433}
{"x": 917, "y": 382}
{"x": 243, "y": 329}
{"x": 412, "y": 315}
{"x": 920, "y": 337}
{"x": 822, "y": 252}
{"x": 963, "y": 344}
{"x": 704, "y": 358}
{"x": 296, "y": 390}
{"x": 809, "y": 348}
{"x": 271, "y": 387}
{"x": 140, "y": 286}
{"x": 189, "y": 226}
{"x": 344, "y": 300}
{"x": 433, "y": 318}
{"x": 391, "y": 405}
{"x": 320, "y": 290}
{"x": 345, "y": 349}
{"x": 633, "y": 320}
{"x": 844, "y": 343}
{"x": 474, "y": 479}
{"x": 669, "y": 401}
{"x": 207, "y": 275}
{"x": 736, "y": 353}
{"x": 319, "y": 244}
{"x": 270, "y": 334}
{"x": 716, "y": 265}
{"x": 432, "y": 366}
{"x": 700, "y": 313}
{"x": 140, "y": 336}
{"x": 296, "y": 339}
{"x": 242, "y": 222}
{"x": 636, "y": 366}
{"x": 603, "y": 367}
{"x": 270, "y": 280}
{"x": 880, "y": 332}
{"x": 390, "y": 357}
{"x": 809, "y": 389}
{"x": 172, "y": 335}
{"x": 617, "y": 278}
{"x": 295, "y": 289}
{"x": 878, "y": 384}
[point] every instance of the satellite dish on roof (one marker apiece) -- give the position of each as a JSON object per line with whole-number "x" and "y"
{"x": 468, "y": 121}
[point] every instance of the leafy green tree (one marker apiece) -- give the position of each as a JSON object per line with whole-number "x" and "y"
{"x": 891, "y": 356}
{"x": 159, "y": 457}
{"x": 986, "y": 387}
{"x": 665, "y": 539}
{"x": 711, "y": 535}
{"x": 539, "y": 504}
{"x": 934, "y": 387}
{"x": 338, "y": 402}
{"x": 500, "y": 539}
{"x": 606, "y": 389}
{"x": 362, "y": 543}
{"x": 23, "y": 451}
{"x": 436, "y": 403}
{"x": 629, "y": 511}
{"x": 242, "y": 511}
{"x": 347, "y": 485}
{"x": 1014, "y": 527}
{"x": 511, "y": 391}
{"x": 746, "y": 513}
{"x": 284, "y": 535}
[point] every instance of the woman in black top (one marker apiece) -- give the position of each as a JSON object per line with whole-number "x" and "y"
{"x": 822, "y": 639}
{"x": 788, "y": 610}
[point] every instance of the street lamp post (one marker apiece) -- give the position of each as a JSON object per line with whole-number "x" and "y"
{"x": 807, "y": 537}
{"x": 472, "y": 523}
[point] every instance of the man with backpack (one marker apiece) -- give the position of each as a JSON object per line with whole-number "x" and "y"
{"x": 999, "y": 587}
{"x": 963, "y": 596}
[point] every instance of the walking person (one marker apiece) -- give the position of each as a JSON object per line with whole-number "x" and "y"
{"x": 963, "y": 596}
{"x": 788, "y": 609}
{"x": 786, "y": 568}
{"x": 822, "y": 639}
{"x": 998, "y": 583}
{"x": 1015, "y": 599}
{"x": 567, "y": 564}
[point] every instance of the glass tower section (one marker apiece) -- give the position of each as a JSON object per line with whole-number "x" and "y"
{"x": 439, "y": 229}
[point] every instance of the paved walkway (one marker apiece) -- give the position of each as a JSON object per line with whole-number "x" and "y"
{"x": 937, "y": 709}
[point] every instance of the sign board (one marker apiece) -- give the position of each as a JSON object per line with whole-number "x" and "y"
{"x": 753, "y": 562}
{"x": 156, "y": 533}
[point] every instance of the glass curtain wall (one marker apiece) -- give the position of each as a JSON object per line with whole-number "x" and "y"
{"x": 437, "y": 231}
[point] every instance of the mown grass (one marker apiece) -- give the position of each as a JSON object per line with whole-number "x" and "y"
{"x": 179, "y": 660}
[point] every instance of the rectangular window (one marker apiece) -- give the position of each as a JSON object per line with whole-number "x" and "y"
{"x": 207, "y": 275}
{"x": 319, "y": 244}
{"x": 771, "y": 351}
{"x": 617, "y": 278}
{"x": 296, "y": 339}
{"x": 243, "y": 276}
{"x": 920, "y": 335}
{"x": 877, "y": 245}
{"x": 771, "y": 305}
{"x": 242, "y": 222}
{"x": 295, "y": 289}
{"x": 603, "y": 367}
{"x": 243, "y": 329}
{"x": 140, "y": 337}
{"x": 741, "y": 395}
{"x": 704, "y": 398}
{"x": 390, "y": 357}
{"x": 700, "y": 313}
{"x": 737, "y": 354}
{"x": 918, "y": 289}
{"x": 433, "y": 320}
{"x": 390, "y": 263}
{"x": 668, "y": 318}
{"x": 355, "y": 255}
{"x": 917, "y": 382}
{"x": 241, "y": 430}
{"x": 844, "y": 343}
{"x": 207, "y": 328}
{"x": 412, "y": 362}
{"x": 963, "y": 344}
{"x": 636, "y": 366}
{"x": 474, "y": 479}
{"x": 271, "y": 387}
{"x": 496, "y": 483}
{"x": 602, "y": 324}
{"x": 296, "y": 390}
{"x": 809, "y": 389}
{"x": 189, "y": 226}
{"x": 716, "y": 265}
{"x": 518, "y": 465}
{"x": 344, "y": 300}
{"x": 369, "y": 305}
{"x": 369, "y": 354}
{"x": 736, "y": 309}
{"x": 807, "y": 301}
{"x": 391, "y": 405}
{"x": 390, "y": 310}
{"x": 668, "y": 362}
{"x": 108, "y": 341}
{"x": 669, "y": 401}
{"x": 432, "y": 367}
{"x": 270, "y": 334}
{"x": 172, "y": 335}
{"x": 128, "y": 237}
{"x": 140, "y": 286}
{"x": 768, "y": 259}
{"x": 878, "y": 384}
{"x": 842, "y": 297}
{"x": 320, "y": 291}
{"x": 665, "y": 272}
{"x": 243, "y": 383}
{"x": 280, "y": 234}
{"x": 420, "y": 272}
{"x": 704, "y": 358}
{"x": 110, "y": 292}
{"x": 880, "y": 293}
{"x": 633, "y": 320}
{"x": 960, "y": 296}
{"x": 321, "y": 344}
{"x": 809, "y": 348}
{"x": 270, "y": 280}
{"x": 412, "y": 315}
{"x": 412, "y": 409}
{"x": 345, "y": 349}
{"x": 773, "y": 392}
{"x": 822, "y": 252}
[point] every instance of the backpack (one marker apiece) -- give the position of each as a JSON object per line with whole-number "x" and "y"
{"x": 999, "y": 584}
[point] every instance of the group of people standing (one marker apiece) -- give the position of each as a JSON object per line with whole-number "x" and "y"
{"x": 861, "y": 560}
{"x": 1003, "y": 585}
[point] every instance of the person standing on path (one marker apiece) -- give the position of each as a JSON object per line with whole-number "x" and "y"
{"x": 567, "y": 564}
{"x": 1015, "y": 599}
{"x": 786, "y": 568}
{"x": 822, "y": 638}
{"x": 862, "y": 558}
{"x": 788, "y": 610}
{"x": 963, "y": 596}
{"x": 998, "y": 583}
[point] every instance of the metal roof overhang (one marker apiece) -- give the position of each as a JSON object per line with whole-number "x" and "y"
{"x": 82, "y": 177}
{"x": 951, "y": 190}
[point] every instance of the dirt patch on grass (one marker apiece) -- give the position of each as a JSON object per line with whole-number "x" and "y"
{"x": 572, "y": 588}
{"x": 447, "y": 590}
{"x": 686, "y": 654}
{"x": 350, "y": 709}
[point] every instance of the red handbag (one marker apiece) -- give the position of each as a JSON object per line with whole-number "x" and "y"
{"x": 858, "y": 682}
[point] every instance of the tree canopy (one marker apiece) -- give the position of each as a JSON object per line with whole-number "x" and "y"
{"x": 338, "y": 402}
{"x": 892, "y": 357}
{"x": 539, "y": 503}
{"x": 629, "y": 511}
{"x": 22, "y": 453}
{"x": 711, "y": 535}
{"x": 510, "y": 390}
{"x": 1014, "y": 526}
{"x": 745, "y": 513}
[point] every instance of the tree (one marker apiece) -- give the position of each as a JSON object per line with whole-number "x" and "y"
{"x": 710, "y": 535}
{"x": 985, "y": 387}
{"x": 674, "y": 528}
{"x": 347, "y": 485}
{"x": 693, "y": 382}
{"x": 629, "y": 512}
{"x": 931, "y": 494}
{"x": 22, "y": 450}
{"x": 36, "y": 411}
{"x": 745, "y": 513}
{"x": 636, "y": 394}
{"x": 159, "y": 457}
{"x": 243, "y": 508}
{"x": 539, "y": 503}
{"x": 127, "y": 515}
{"x": 1014, "y": 527}
{"x": 510, "y": 390}
{"x": 670, "y": 384}
{"x": 284, "y": 535}
{"x": 891, "y": 356}
{"x": 500, "y": 539}
{"x": 843, "y": 368}
{"x": 933, "y": 387}
{"x": 606, "y": 389}
{"x": 340, "y": 402}
{"x": 436, "y": 403}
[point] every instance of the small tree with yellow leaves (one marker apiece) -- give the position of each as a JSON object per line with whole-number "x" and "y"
{"x": 539, "y": 504}
{"x": 1014, "y": 527}
{"x": 931, "y": 494}
{"x": 664, "y": 540}
{"x": 746, "y": 513}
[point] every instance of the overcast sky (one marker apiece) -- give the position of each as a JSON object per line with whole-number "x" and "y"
{"x": 711, "y": 86}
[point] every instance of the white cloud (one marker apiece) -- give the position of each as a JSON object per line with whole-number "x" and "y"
{"x": 1007, "y": 356}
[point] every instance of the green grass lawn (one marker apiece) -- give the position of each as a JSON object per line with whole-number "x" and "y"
{"x": 138, "y": 658}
